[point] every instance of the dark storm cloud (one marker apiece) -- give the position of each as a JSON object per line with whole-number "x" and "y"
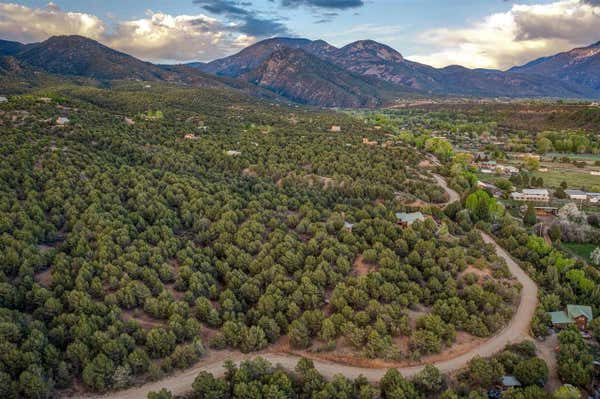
{"x": 246, "y": 20}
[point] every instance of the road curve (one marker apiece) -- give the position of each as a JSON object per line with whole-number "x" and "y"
{"x": 515, "y": 331}
{"x": 452, "y": 195}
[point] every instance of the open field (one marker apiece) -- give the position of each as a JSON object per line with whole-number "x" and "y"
{"x": 574, "y": 178}
{"x": 582, "y": 251}
{"x": 581, "y": 157}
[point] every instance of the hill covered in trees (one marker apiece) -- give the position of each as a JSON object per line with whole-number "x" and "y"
{"x": 143, "y": 226}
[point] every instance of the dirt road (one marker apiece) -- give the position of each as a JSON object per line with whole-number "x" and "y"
{"x": 453, "y": 195}
{"x": 516, "y": 331}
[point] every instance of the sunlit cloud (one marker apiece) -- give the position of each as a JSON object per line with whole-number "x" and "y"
{"x": 514, "y": 37}
{"x": 157, "y": 37}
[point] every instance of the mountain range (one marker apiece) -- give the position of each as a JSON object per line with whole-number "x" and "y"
{"x": 361, "y": 74}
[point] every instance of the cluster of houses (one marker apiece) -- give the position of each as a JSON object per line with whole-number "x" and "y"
{"x": 579, "y": 195}
{"x": 489, "y": 167}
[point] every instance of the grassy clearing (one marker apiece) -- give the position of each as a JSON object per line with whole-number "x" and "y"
{"x": 575, "y": 179}
{"x": 582, "y": 251}
{"x": 581, "y": 157}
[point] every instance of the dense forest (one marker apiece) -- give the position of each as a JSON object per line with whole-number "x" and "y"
{"x": 142, "y": 226}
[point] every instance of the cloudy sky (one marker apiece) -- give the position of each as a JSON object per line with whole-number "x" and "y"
{"x": 481, "y": 33}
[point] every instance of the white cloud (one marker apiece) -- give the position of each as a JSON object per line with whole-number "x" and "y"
{"x": 166, "y": 37}
{"x": 514, "y": 37}
{"x": 21, "y": 23}
{"x": 157, "y": 37}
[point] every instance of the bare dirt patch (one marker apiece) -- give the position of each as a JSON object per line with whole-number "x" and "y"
{"x": 425, "y": 164}
{"x": 142, "y": 318}
{"x": 414, "y": 314}
{"x": 482, "y": 274}
{"x": 361, "y": 267}
{"x": 45, "y": 277}
{"x": 249, "y": 172}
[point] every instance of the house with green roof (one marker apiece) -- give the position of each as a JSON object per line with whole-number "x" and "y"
{"x": 575, "y": 315}
{"x": 407, "y": 219}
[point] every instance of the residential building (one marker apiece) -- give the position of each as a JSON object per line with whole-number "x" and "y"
{"x": 3, "y": 99}
{"x": 488, "y": 165}
{"x": 594, "y": 198}
{"x": 62, "y": 120}
{"x": 368, "y": 142}
{"x": 508, "y": 169}
{"x": 335, "y": 129}
{"x": 233, "y": 153}
{"x": 527, "y": 155}
{"x": 546, "y": 211}
{"x": 575, "y": 315}
{"x": 576, "y": 195}
{"x": 532, "y": 195}
{"x": 510, "y": 381}
{"x": 407, "y": 219}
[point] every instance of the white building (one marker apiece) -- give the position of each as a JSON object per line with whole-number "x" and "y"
{"x": 3, "y": 99}
{"x": 532, "y": 195}
{"x": 62, "y": 120}
{"x": 576, "y": 195}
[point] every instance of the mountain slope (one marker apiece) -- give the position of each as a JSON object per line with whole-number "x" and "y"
{"x": 580, "y": 66}
{"x": 77, "y": 56}
{"x": 307, "y": 79}
{"x": 253, "y": 56}
{"x": 379, "y": 62}
{"x": 8, "y": 48}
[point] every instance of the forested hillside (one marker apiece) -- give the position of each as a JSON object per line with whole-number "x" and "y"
{"x": 141, "y": 227}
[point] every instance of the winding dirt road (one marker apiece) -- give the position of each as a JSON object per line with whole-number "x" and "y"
{"x": 452, "y": 195}
{"x": 516, "y": 331}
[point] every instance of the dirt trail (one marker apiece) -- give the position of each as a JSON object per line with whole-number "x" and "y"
{"x": 453, "y": 195}
{"x": 516, "y": 331}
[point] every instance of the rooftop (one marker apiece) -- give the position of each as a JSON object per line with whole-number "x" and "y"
{"x": 560, "y": 317}
{"x": 510, "y": 381}
{"x": 575, "y": 192}
{"x": 535, "y": 191}
{"x": 409, "y": 217}
{"x": 580, "y": 310}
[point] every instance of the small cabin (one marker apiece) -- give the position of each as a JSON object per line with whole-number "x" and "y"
{"x": 510, "y": 381}
{"x": 348, "y": 226}
{"x": 407, "y": 219}
{"x": 575, "y": 315}
{"x": 62, "y": 120}
{"x": 335, "y": 129}
{"x": 546, "y": 211}
{"x": 366, "y": 141}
